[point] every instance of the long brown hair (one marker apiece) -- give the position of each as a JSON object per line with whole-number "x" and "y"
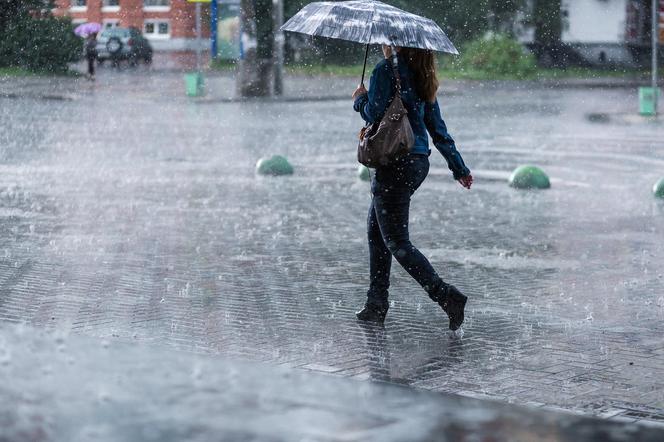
{"x": 423, "y": 64}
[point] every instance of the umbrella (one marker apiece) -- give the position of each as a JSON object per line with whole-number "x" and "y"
{"x": 370, "y": 22}
{"x": 87, "y": 28}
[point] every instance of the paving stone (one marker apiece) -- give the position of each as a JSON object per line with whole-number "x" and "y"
{"x": 143, "y": 220}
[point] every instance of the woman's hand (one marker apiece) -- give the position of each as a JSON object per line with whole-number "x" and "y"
{"x": 361, "y": 90}
{"x": 466, "y": 181}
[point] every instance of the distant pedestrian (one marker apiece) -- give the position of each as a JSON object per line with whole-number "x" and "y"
{"x": 393, "y": 185}
{"x": 91, "y": 54}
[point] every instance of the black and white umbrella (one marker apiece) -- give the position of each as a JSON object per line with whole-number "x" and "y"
{"x": 369, "y": 22}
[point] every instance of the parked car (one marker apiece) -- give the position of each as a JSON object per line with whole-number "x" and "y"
{"x": 117, "y": 44}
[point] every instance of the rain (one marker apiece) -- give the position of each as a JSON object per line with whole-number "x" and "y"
{"x": 183, "y": 222}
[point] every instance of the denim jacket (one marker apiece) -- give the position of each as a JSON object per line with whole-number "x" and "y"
{"x": 423, "y": 116}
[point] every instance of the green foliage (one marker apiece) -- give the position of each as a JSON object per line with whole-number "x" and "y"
{"x": 461, "y": 20}
{"x": 13, "y": 9}
{"x": 35, "y": 40}
{"x": 264, "y": 28}
{"x": 498, "y": 55}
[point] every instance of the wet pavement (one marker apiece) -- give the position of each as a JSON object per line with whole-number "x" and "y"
{"x": 131, "y": 212}
{"x": 115, "y": 391}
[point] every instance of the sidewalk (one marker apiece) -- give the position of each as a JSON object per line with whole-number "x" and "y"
{"x": 56, "y": 387}
{"x": 220, "y": 86}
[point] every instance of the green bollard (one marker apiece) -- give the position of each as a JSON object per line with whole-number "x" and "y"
{"x": 275, "y": 165}
{"x": 647, "y": 100}
{"x": 363, "y": 173}
{"x": 529, "y": 177}
{"x": 194, "y": 84}
{"x": 658, "y": 189}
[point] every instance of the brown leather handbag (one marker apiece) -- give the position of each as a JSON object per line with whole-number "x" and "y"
{"x": 391, "y": 138}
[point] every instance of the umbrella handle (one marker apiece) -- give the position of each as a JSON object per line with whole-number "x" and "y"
{"x": 364, "y": 69}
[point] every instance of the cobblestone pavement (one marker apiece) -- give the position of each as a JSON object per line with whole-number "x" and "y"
{"x": 72, "y": 388}
{"x": 128, "y": 211}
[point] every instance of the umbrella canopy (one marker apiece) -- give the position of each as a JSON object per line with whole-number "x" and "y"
{"x": 370, "y": 22}
{"x": 87, "y": 28}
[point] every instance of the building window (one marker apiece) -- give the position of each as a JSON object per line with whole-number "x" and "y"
{"x": 157, "y": 5}
{"x": 79, "y": 5}
{"x": 110, "y": 6}
{"x": 157, "y": 29}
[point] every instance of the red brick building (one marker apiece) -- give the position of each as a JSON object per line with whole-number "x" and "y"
{"x": 169, "y": 24}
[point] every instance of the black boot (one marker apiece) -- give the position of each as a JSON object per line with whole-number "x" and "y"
{"x": 453, "y": 302}
{"x": 376, "y": 306}
{"x": 372, "y": 313}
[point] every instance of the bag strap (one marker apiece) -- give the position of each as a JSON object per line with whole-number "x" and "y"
{"x": 395, "y": 69}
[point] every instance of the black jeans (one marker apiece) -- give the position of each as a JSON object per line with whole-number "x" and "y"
{"x": 91, "y": 65}
{"x": 387, "y": 227}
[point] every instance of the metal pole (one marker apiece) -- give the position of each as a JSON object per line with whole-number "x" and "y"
{"x": 278, "y": 6}
{"x": 655, "y": 41}
{"x": 214, "y": 22}
{"x": 198, "y": 37}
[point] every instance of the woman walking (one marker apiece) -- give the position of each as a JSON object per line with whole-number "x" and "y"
{"x": 393, "y": 185}
{"x": 91, "y": 54}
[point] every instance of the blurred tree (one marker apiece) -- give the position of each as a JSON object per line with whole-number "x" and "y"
{"x": 461, "y": 20}
{"x": 548, "y": 21}
{"x": 503, "y": 13}
{"x": 33, "y": 39}
{"x": 13, "y": 10}
{"x": 257, "y": 68}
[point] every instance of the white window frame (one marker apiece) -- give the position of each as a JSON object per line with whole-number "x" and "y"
{"x": 157, "y": 9}
{"x": 74, "y": 8}
{"x": 78, "y": 21}
{"x": 156, "y": 35}
{"x": 109, "y": 8}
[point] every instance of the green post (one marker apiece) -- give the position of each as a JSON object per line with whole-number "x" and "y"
{"x": 648, "y": 100}
{"x": 194, "y": 80}
{"x": 194, "y": 84}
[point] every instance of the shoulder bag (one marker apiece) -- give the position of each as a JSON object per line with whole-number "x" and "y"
{"x": 391, "y": 138}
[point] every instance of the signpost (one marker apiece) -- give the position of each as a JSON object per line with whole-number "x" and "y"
{"x": 279, "y": 42}
{"x": 649, "y": 96}
{"x": 655, "y": 40}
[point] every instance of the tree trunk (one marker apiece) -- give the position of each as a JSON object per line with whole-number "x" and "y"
{"x": 548, "y": 34}
{"x": 548, "y": 22}
{"x": 256, "y": 70}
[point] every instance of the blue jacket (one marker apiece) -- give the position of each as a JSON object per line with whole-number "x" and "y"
{"x": 423, "y": 116}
